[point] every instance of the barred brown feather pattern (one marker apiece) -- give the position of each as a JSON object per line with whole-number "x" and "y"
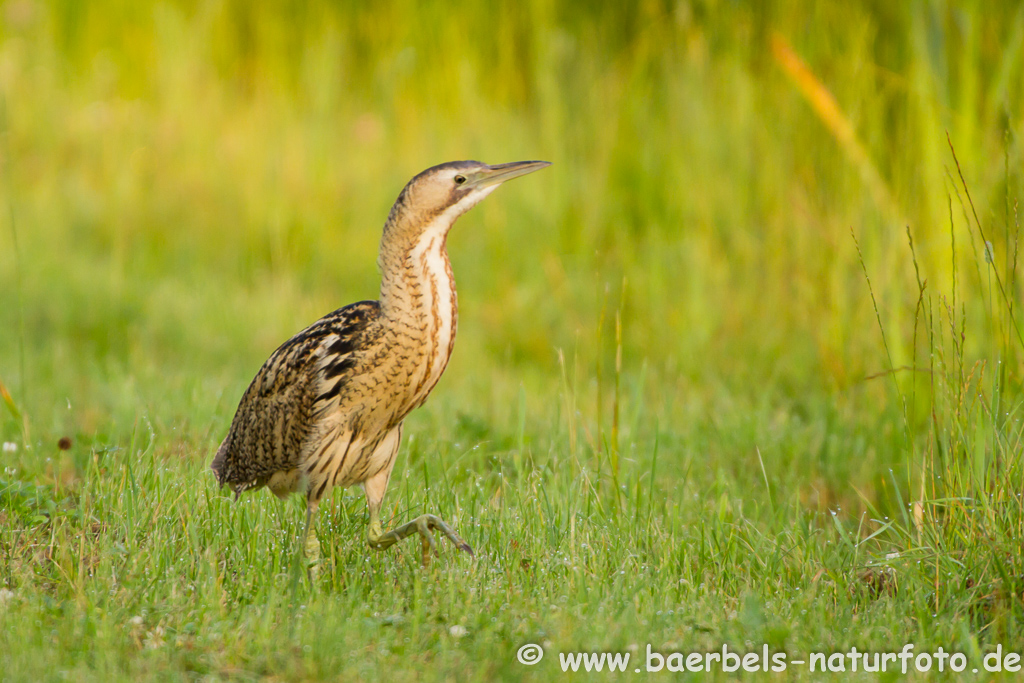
{"x": 288, "y": 402}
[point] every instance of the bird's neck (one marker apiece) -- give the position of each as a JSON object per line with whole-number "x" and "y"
{"x": 417, "y": 296}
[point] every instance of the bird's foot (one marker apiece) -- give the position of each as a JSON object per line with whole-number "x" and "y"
{"x": 423, "y": 525}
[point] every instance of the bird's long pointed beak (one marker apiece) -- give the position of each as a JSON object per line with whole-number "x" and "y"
{"x": 498, "y": 174}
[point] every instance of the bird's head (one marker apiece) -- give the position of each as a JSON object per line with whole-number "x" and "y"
{"x": 450, "y": 190}
{"x": 428, "y": 207}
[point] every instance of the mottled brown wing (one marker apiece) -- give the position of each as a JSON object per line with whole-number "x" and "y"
{"x": 279, "y": 409}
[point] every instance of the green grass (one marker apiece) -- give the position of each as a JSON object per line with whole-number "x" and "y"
{"x": 812, "y": 440}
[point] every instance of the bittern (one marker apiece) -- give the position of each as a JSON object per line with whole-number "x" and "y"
{"x": 326, "y": 409}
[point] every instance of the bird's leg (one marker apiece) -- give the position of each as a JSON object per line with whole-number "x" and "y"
{"x": 310, "y": 542}
{"x": 380, "y": 539}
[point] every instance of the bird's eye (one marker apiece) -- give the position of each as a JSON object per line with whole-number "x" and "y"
{"x": 460, "y": 179}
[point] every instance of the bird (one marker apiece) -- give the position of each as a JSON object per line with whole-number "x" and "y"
{"x": 327, "y": 408}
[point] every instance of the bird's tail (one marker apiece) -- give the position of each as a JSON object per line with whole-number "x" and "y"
{"x": 219, "y": 464}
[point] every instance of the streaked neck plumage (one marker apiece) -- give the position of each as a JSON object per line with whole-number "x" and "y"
{"x": 417, "y": 295}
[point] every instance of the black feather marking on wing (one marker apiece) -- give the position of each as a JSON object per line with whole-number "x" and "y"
{"x": 333, "y": 391}
{"x": 342, "y": 346}
{"x": 339, "y": 367}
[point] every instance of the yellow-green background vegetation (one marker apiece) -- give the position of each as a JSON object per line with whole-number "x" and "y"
{"x": 185, "y": 184}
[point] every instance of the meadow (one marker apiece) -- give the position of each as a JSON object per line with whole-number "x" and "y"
{"x": 742, "y": 368}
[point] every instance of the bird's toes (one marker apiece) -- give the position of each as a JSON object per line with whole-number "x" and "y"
{"x": 429, "y": 544}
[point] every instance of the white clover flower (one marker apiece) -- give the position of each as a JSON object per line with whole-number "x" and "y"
{"x": 155, "y": 638}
